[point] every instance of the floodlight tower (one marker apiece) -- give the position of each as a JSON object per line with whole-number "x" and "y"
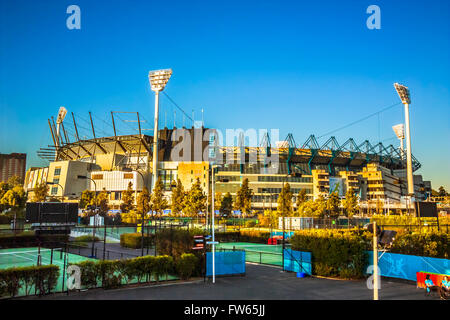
{"x": 404, "y": 95}
{"x": 61, "y": 115}
{"x": 158, "y": 80}
{"x": 399, "y": 130}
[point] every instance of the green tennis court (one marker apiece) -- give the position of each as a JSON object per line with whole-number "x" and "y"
{"x": 257, "y": 253}
{"x": 24, "y": 257}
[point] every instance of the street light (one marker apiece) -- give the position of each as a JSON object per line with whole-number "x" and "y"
{"x": 62, "y": 188}
{"x": 404, "y": 95}
{"x": 213, "y": 216}
{"x": 95, "y": 220}
{"x": 158, "y": 80}
{"x": 143, "y": 213}
{"x": 294, "y": 175}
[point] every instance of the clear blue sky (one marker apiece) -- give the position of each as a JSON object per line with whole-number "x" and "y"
{"x": 305, "y": 67}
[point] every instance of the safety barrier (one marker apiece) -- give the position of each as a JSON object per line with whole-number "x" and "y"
{"x": 404, "y": 266}
{"x": 297, "y": 261}
{"x": 226, "y": 263}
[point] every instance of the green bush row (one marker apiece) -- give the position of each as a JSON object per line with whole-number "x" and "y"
{"x": 428, "y": 244}
{"x": 113, "y": 273}
{"x": 29, "y": 239}
{"x": 254, "y": 236}
{"x": 86, "y": 238}
{"x": 43, "y": 279}
{"x": 335, "y": 253}
{"x": 134, "y": 240}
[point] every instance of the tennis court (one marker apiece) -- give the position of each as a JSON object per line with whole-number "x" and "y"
{"x": 24, "y": 257}
{"x": 256, "y": 252}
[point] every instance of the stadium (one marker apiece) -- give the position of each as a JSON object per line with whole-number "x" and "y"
{"x": 376, "y": 172}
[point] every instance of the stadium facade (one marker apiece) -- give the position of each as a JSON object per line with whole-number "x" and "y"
{"x": 375, "y": 172}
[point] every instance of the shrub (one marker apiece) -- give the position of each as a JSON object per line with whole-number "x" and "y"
{"x": 186, "y": 265}
{"x": 335, "y": 253}
{"x": 84, "y": 240}
{"x": 428, "y": 244}
{"x": 29, "y": 239}
{"x": 254, "y": 236}
{"x": 42, "y": 278}
{"x": 133, "y": 240}
{"x": 163, "y": 266}
{"x": 110, "y": 273}
{"x": 174, "y": 242}
{"x": 250, "y": 224}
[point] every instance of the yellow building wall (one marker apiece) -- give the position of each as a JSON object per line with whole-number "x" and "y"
{"x": 188, "y": 172}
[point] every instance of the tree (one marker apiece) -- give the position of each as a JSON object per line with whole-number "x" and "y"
{"x": 87, "y": 199}
{"x": 102, "y": 201}
{"x": 442, "y": 192}
{"x": 177, "y": 200}
{"x": 143, "y": 202}
{"x": 14, "y": 199}
{"x": 333, "y": 203}
{"x": 41, "y": 192}
{"x": 243, "y": 200}
{"x": 284, "y": 201}
{"x": 195, "y": 201}
{"x": 301, "y": 198}
{"x": 158, "y": 202}
{"x": 320, "y": 206}
{"x": 127, "y": 199}
{"x": 350, "y": 203}
{"x": 218, "y": 200}
{"x": 268, "y": 218}
{"x": 15, "y": 181}
{"x": 226, "y": 205}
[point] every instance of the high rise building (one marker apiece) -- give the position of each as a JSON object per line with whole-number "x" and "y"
{"x": 13, "y": 164}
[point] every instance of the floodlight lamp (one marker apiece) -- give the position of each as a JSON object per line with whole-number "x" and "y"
{"x": 403, "y": 93}
{"x": 399, "y": 130}
{"x": 61, "y": 115}
{"x": 159, "y": 78}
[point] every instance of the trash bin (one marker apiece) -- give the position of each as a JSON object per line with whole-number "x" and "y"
{"x": 301, "y": 275}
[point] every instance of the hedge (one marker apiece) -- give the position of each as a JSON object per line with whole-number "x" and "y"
{"x": 113, "y": 273}
{"x": 254, "y": 236}
{"x": 335, "y": 253}
{"x": 41, "y": 278}
{"x": 427, "y": 244}
{"x": 186, "y": 265}
{"x": 133, "y": 240}
{"x": 29, "y": 239}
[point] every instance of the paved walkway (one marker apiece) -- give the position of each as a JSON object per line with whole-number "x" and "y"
{"x": 260, "y": 283}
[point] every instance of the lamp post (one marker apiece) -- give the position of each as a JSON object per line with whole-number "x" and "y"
{"x": 143, "y": 213}
{"x": 404, "y": 95}
{"x": 62, "y": 188}
{"x": 213, "y": 214}
{"x": 95, "y": 213}
{"x": 158, "y": 80}
{"x": 297, "y": 175}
